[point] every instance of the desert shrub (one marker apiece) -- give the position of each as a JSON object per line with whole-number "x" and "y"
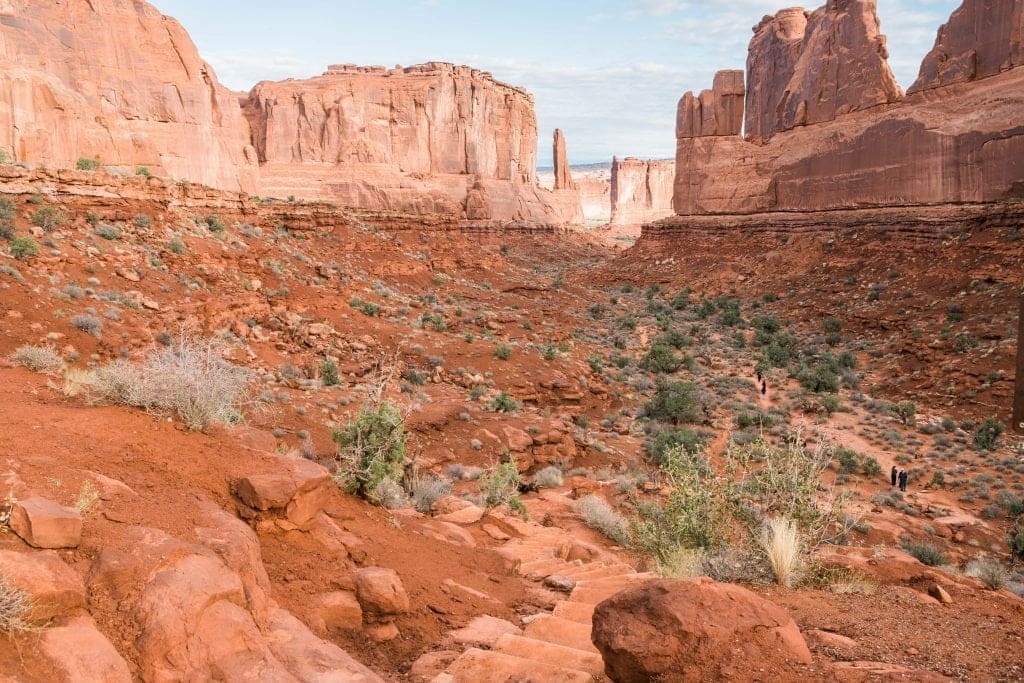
{"x": 428, "y": 490}
{"x": 214, "y": 224}
{"x": 189, "y": 378}
{"x": 15, "y": 608}
{"x": 730, "y": 315}
{"x": 49, "y": 218}
{"x": 781, "y": 544}
{"x": 676, "y": 402}
{"x": 504, "y": 403}
{"x": 727, "y": 507}
{"x": 990, "y": 571}
{"x": 963, "y": 342}
{"x": 662, "y": 441}
{"x": 548, "y": 478}
{"x": 108, "y": 232}
{"x": 7, "y": 214}
{"x": 414, "y": 377}
{"x": 849, "y": 461}
{"x": 23, "y": 248}
{"x": 986, "y": 435}
{"x": 905, "y": 410}
{"x": 1015, "y": 539}
{"x": 681, "y": 300}
{"x": 371, "y": 448}
{"x": 832, "y": 325}
{"x": 389, "y": 494}
{"x": 955, "y": 313}
{"x": 870, "y": 467}
{"x": 89, "y": 324}
{"x": 176, "y": 245}
{"x": 501, "y": 486}
{"x": 753, "y": 418}
{"x": 143, "y": 171}
{"x": 329, "y": 373}
{"x": 142, "y": 221}
{"x": 820, "y": 378}
{"x": 599, "y": 515}
{"x": 503, "y": 352}
{"x": 43, "y": 359}
{"x": 661, "y": 359}
{"x": 87, "y": 164}
{"x": 673, "y": 338}
{"x": 925, "y": 552}
{"x": 766, "y": 323}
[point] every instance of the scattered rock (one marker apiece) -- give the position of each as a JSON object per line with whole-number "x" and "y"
{"x": 339, "y": 610}
{"x": 694, "y": 629}
{"x": 484, "y": 631}
{"x": 563, "y": 584}
{"x": 827, "y": 639}
{"x": 43, "y": 523}
{"x": 81, "y": 653}
{"x": 940, "y": 594}
{"x": 381, "y": 593}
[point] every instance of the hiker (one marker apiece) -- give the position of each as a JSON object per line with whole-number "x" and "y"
{"x": 903, "y": 481}
{"x": 764, "y": 388}
{"x": 893, "y": 475}
{"x": 759, "y": 377}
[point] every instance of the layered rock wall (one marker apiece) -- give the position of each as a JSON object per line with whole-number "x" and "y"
{"x": 806, "y": 69}
{"x": 120, "y": 82}
{"x": 718, "y": 111}
{"x": 929, "y": 148}
{"x": 415, "y": 139}
{"x": 641, "y": 191}
{"x": 981, "y": 38}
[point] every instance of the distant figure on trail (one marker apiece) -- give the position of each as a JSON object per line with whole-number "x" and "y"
{"x": 764, "y": 388}
{"x": 759, "y": 377}
{"x": 903, "y": 480}
{"x": 893, "y": 475}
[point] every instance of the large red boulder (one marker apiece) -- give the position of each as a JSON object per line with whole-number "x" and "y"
{"x": 695, "y": 630}
{"x": 43, "y": 523}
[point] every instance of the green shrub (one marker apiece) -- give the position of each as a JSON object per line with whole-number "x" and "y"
{"x": 176, "y": 245}
{"x": 329, "y": 373}
{"x": 414, "y": 377}
{"x": 143, "y": 171}
{"x": 661, "y": 359}
{"x": 7, "y": 214}
{"x": 681, "y": 300}
{"x": 676, "y": 402}
{"x": 504, "y": 403}
{"x": 503, "y": 352}
{"x": 371, "y": 448}
{"x": 87, "y": 164}
{"x": 49, "y": 218}
{"x": 108, "y": 232}
{"x": 987, "y": 434}
{"x": 925, "y": 552}
{"x": 766, "y": 323}
{"x": 1015, "y": 539}
{"x": 686, "y": 439}
{"x": 832, "y": 325}
{"x": 215, "y": 224}
{"x": 821, "y": 378}
{"x": 870, "y": 467}
{"x": 905, "y": 410}
{"x": 955, "y": 313}
{"x": 753, "y": 418}
{"x": 964, "y": 342}
{"x": 23, "y": 248}
{"x": 849, "y": 461}
{"x": 500, "y": 486}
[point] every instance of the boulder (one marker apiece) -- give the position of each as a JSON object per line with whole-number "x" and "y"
{"x": 516, "y": 439}
{"x": 309, "y": 658}
{"x": 690, "y": 630}
{"x": 54, "y": 588}
{"x": 338, "y": 610}
{"x": 43, "y": 523}
{"x": 301, "y": 490}
{"x": 556, "y": 582}
{"x": 380, "y": 593}
{"x": 82, "y": 654}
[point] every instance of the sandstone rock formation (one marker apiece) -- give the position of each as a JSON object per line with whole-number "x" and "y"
{"x": 918, "y": 151}
{"x": 981, "y": 39}
{"x": 691, "y": 630}
{"x": 563, "y": 176}
{"x": 120, "y": 82}
{"x": 810, "y": 69}
{"x": 641, "y": 191}
{"x": 718, "y": 111}
{"x": 414, "y": 140}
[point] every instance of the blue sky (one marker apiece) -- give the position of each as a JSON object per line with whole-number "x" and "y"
{"x": 608, "y": 72}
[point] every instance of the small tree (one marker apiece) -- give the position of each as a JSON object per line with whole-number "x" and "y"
{"x": 987, "y": 434}
{"x": 372, "y": 448}
{"x": 905, "y": 411}
{"x": 7, "y": 214}
{"x": 23, "y": 248}
{"x": 87, "y": 164}
{"x": 676, "y": 402}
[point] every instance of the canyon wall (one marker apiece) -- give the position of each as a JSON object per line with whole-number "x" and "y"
{"x": 865, "y": 148}
{"x": 565, "y": 197}
{"x": 433, "y": 138}
{"x": 641, "y": 191}
{"x": 117, "y": 81}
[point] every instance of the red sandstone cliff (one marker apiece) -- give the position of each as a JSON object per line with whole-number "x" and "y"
{"x": 118, "y": 81}
{"x": 805, "y": 69}
{"x": 415, "y": 139}
{"x": 929, "y": 148}
{"x": 641, "y": 191}
{"x": 718, "y": 111}
{"x": 981, "y": 39}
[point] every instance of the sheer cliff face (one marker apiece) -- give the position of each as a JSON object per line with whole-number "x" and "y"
{"x": 116, "y": 80}
{"x": 806, "y": 69}
{"x": 641, "y": 191}
{"x": 981, "y": 39}
{"x": 819, "y": 144}
{"x": 373, "y": 137}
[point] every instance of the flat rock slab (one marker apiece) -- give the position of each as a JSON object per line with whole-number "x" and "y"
{"x": 82, "y": 653}
{"x": 43, "y": 523}
{"x": 485, "y": 631}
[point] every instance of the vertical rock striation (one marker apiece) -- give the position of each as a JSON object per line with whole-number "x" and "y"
{"x": 121, "y": 82}
{"x": 563, "y": 175}
{"x": 718, "y": 111}
{"x": 982, "y": 38}
{"x": 641, "y": 190}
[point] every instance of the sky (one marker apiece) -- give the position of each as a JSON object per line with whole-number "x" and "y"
{"x": 607, "y": 72}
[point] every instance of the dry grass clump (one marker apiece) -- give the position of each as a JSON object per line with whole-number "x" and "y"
{"x": 990, "y": 571}
{"x": 548, "y": 478}
{"x": 782, "y": 546}
{"x": 845, "y": 582}
{"x": 15, "y": 608}
{"x": 681, "y": 563}
{"x": 189, "y": 379}
{"x": 43, "y": 359}
{"x": 428, "y": 490}
{"x": 598, "y": 514}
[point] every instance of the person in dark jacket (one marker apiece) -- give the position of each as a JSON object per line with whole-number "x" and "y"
{"x": 764, "y": 388}
{"x": 893, "y": 475}
{"x": 903, "y": 480}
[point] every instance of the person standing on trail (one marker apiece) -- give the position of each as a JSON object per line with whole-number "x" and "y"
{"x": 759, "y": 376}
{"x": 903, "y": 481}
{"x": 893, "y": 475}
{"x": 764, "y": 388}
